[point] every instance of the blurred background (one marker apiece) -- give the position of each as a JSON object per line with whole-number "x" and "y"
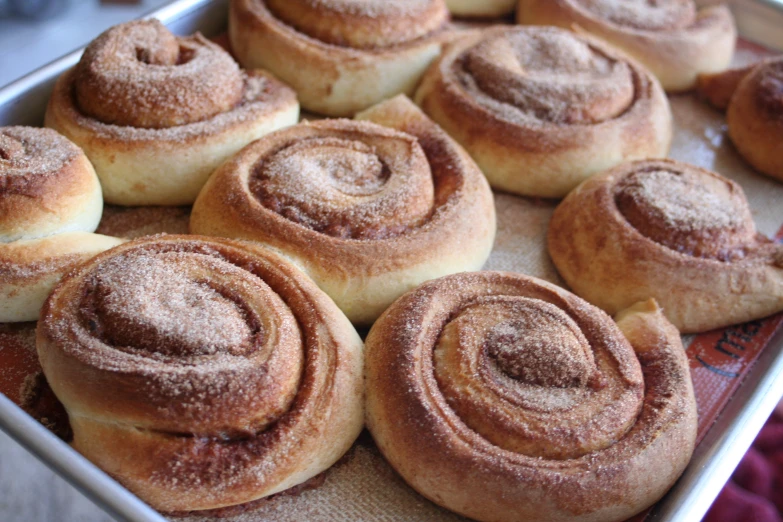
{"x": 35, "y": 32}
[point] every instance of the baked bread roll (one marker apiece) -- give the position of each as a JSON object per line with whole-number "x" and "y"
{"x": 369, "y": 209}
{"x": 540, "y": 108}
{"x": 673, "y": 38}
{"x": 481, "y": 8}
{"x": 340, "y": 56}
{"x": 202, "y": 373}
{"x": 755, "y": 118}
{"x": 50, "y": 202}
{"x": 156, "y": 113}
{"x": 718, "y": 88}
{"x": 671, "y": 231}
{"x": 506, "y": 398}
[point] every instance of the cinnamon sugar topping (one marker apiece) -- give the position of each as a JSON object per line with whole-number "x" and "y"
{"x": 32, "y": 151}
{"x": 544, "y": 74}
{"x": 649, "y": 15}
{"x": 347, "y": 179}
{"x": 140, "y": 75}
{"x": 689, "y": 211}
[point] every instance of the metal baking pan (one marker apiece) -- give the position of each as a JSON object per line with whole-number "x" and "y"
{"x": 23, "y": 103}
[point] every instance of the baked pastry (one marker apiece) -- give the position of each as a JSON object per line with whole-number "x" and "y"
{"x": 340, "y": 56}
{"x": 755, "y": 118}
{"x": 481, "y": 8}
{"x": 156, "y": 113}
{"x": 506, "y": 398}
{"x": 50, "y": 202}
{"x": 675, "y": 39}
{"x": 671, "y": 231}
{"x": 540, "y": 108}
{"x": 202, "y": 373}
{"x": 718, "y": 88}
{"x": 369, "y": 209}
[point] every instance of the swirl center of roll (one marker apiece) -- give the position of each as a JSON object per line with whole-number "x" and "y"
{"x": 540, "y": 346}
{"x": 688, "y": 212}
{"x": 548, "y": 75}
{"x": 370, "y": 184}
{"x": 151, "y": 304}
{"x": 523, "y": 374}
{"x": 140, "y": 75}
{"x": 650, "y": 15}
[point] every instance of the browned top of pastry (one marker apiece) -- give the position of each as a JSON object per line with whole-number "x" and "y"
{"x": 138, "y": 74}
{"x": 687, "y": 209}
{"x": 658, "y": 15}
{"x": 362, "y": 24}
{"x": 345, "y": 179}
{"x": 544, "y": 74}
{"x": 500, "y": 385}
{"x": 41, "y": 175}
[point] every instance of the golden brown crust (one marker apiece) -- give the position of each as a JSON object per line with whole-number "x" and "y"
{"x": 202, "y": 372}
{"x": 156, "y": 126}
{"x": 671, "y": 231}
{"x": 50, "y": 201}
{"x": 538, "y": 122}
{"x": 718, "y": 88}
{"x": 481, "y": 8}
{"x": 755, "y": 118}
{"x": 587, "y": 432}
{"x": 369, "y": 212}
{"x": 674, "y": 39}
{"x": 348, "y": 56}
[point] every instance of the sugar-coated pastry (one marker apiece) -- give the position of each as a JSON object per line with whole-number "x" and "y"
{"x": 755, "y": 118}
{"x": 671, "y": 231}
{"x": 50, "y": 202}
{"x": 541, "y": 108}
{"x": 675, "y": 39}
{"x": 369, "y": 209}
{"x": 156, "y": 113}
{"x": 340, "y": 56}
{"x": 202, "y": 372}
{"x": 505, "y": 398}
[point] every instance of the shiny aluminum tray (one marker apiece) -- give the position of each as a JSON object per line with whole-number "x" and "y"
{"x": 23, "y": 103}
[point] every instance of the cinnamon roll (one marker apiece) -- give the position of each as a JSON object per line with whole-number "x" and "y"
{"x": 202, "y": 373}
{"x": 156, "y": 113}
{"x": 718, "y": 88}
{"x": 481, "y": 8}
{"x": 368, "y": 211}
{"x": 506, "y": 398}
{"x": 675, "y": 39}
{"x": 671, "y": 231}
{"x": 50, "y": 202}
{"x": 540, "y": 108}
{"x": 340, "y": 56}
{"x": 755, "y": 118}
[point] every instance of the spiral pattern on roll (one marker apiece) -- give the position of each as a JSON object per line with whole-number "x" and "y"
{"x": 346, "y": 180}
{"x": 504, "y": 388}
{"x": 368, "y": 208}
{"x": 220, "y": 356}
{"x": 672, "y": 231}
{"x": 540, "y": 108}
